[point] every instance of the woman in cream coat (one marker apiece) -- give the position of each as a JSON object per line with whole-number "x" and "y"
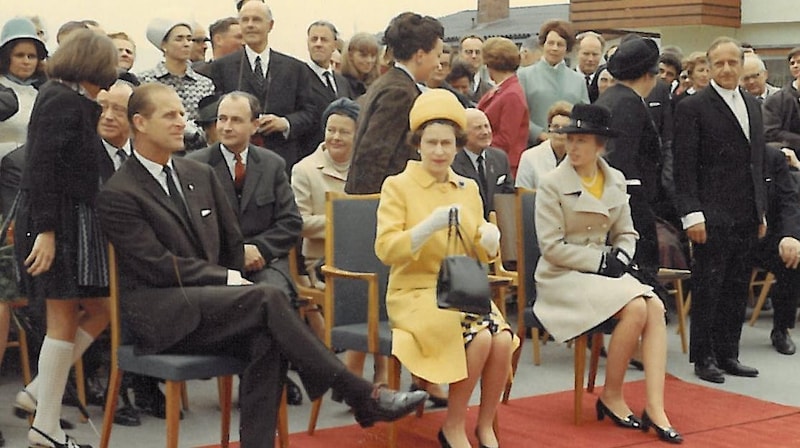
{"x": 587, "y": 241}
{"x": 440, "y": 346}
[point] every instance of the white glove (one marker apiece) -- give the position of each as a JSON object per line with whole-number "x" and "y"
{"x": 438, "y": 219}
{"x": 490, "y": 238}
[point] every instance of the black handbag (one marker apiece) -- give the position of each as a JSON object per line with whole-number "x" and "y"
{"x": 463, "y": 283}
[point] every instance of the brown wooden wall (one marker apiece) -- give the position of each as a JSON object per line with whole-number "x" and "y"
{"x": 617, "y": 14}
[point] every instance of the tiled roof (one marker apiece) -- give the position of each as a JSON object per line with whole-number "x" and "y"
{"x": 523, "y": 22}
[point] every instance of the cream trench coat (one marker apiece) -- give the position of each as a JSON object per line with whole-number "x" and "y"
{"x": 573, "y": 228}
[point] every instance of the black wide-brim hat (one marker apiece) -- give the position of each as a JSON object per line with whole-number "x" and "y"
{"x": 589, "y": 119}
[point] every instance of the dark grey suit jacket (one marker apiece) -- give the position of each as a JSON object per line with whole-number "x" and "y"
{"x": 162, "y": 257}
{"x": 497, "y": 172}
{"x": 286, "y": 93}
{"x": 266, "y": 211}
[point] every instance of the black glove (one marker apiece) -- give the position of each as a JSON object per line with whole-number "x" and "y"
{"x": 614, "y": 263}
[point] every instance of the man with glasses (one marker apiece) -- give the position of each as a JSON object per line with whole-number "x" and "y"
{"x": 472, "y": 53}
{"x": 199, "y": 43}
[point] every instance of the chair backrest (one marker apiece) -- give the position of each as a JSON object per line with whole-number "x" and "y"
{"x": 350, "y": 232}
{"x": 505, "y": 205}
{"x": 527, "y": 244}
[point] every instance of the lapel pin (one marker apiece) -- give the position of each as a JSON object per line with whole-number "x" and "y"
{"x": 191, "y": 187}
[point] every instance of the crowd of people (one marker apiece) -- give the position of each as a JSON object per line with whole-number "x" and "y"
{"x": 206, "y": 173}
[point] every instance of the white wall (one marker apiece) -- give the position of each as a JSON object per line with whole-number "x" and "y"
{"x": 771, "y": 11}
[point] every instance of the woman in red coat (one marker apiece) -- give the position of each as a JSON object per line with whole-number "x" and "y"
{"x": 505, "y": 105}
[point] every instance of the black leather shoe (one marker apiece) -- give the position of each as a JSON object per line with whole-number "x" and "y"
{"x": 294, "y": 396}
{"x": 782, "y": 342}
{"x": 668, "y": 435}
{"x": 630, "y": 422}
{"x": 154, "y": 403}
{"x": 386, "y": 405}
{"x": 733, "y": 367}
{"x": 127, "y": 416}
{"x": 707, "y": 370}
{"x": 443, "y": 440}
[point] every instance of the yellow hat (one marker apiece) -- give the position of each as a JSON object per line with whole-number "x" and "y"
{"x": 436, "y": 104}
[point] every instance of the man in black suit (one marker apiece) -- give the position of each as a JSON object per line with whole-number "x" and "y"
{"x": 779, "y": 250}
{"x": 180, "y": 256}
{"x": 326, "y": 85}
{"x": 280, "y": 82}
{"x": 487, "y": 165}
{"x": 637, "y": 150}
{"x": 719, "y": 158}
{"x": 255, "y": 183}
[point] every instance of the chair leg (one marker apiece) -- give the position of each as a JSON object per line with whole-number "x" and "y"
{"x": 283, "y": 421}
{"x": 594, "y": 360}
{"x": 394, "y": 383}
{"x": 80, "y": 383}
{"x": 580, "y": 370}
{"x": 679, "y": 306}
{"x": 514, "y": 364}
{"x": 24, "y": 356}
{"x": 184, "y": 396}
{"x": 762, "y": 297}
{"x": 536, "y": 342}
{"x": 114, "y": 383}
{"x": 173, "y": 412}
{"x": 312, "y": 420}
{"x": 225, "y": 391}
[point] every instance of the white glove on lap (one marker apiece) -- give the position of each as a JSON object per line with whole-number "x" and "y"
{"x": 438, "y": 219}
{"x": 490, "y": 238}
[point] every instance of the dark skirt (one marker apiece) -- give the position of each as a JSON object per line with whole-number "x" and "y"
{"x": 80, "y": 266}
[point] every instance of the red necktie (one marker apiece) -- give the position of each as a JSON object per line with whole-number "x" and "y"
{"x": 238, "y": 172}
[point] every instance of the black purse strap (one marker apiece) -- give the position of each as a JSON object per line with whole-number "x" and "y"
{"x": 454, "y": 236}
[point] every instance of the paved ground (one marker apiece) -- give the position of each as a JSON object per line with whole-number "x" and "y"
{"x": 778, "y": 382}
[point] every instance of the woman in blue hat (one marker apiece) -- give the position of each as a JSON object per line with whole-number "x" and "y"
{"x": 22, "y": 56}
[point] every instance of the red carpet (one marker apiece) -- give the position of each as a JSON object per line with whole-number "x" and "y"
{"x": 706, "y": 417}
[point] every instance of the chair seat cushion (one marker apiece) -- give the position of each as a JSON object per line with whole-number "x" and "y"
{"x": 178, "y": 367}
{"x": 354, "y": 337}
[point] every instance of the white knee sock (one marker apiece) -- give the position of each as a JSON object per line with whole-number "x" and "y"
{"x": 55, "y": 360}
{"x": 82, "y": 342}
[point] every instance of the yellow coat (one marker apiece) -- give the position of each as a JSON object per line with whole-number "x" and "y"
{"x": 427, "y": 340}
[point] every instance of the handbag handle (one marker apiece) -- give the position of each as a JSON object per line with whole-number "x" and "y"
{"x": 454, "y": 236}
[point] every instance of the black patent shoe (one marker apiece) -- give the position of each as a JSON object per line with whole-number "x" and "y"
{"x": 52, "y": 443}
{"x": 443, "y": 440}
{"x": 668, "y": 435}
{"x": 782, "y": 341}
{"x": 631, "y": 421}
{"x": 386, "y": 405}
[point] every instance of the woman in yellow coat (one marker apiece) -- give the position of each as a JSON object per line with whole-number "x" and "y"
{"x": 440, "y": 346}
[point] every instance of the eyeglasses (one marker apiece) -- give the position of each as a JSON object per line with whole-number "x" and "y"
{"x": 200, "y": 40}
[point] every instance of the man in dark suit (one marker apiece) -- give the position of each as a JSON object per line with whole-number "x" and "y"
{"x": 719, "y": 157}
{"x": 488, "y": 166}
{"x": 326, "y": 85}
{"x": 779, "y": 250}
{"x": 380, "y": 148}
{"x": 255, "y": 183}
{"x": 180, "y": 255}
{"x": 280, "y": 82}
{"x": 637, "y": 150}
{"x": 11, "y": 168}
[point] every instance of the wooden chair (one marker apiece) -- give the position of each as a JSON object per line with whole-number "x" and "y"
{"x": 527, "y": 258}
{"x": 765, "y": 284}
{"x": 675, "y": 277}
{"x": 354, "y": 303}
{"x": 174, "y": 370}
